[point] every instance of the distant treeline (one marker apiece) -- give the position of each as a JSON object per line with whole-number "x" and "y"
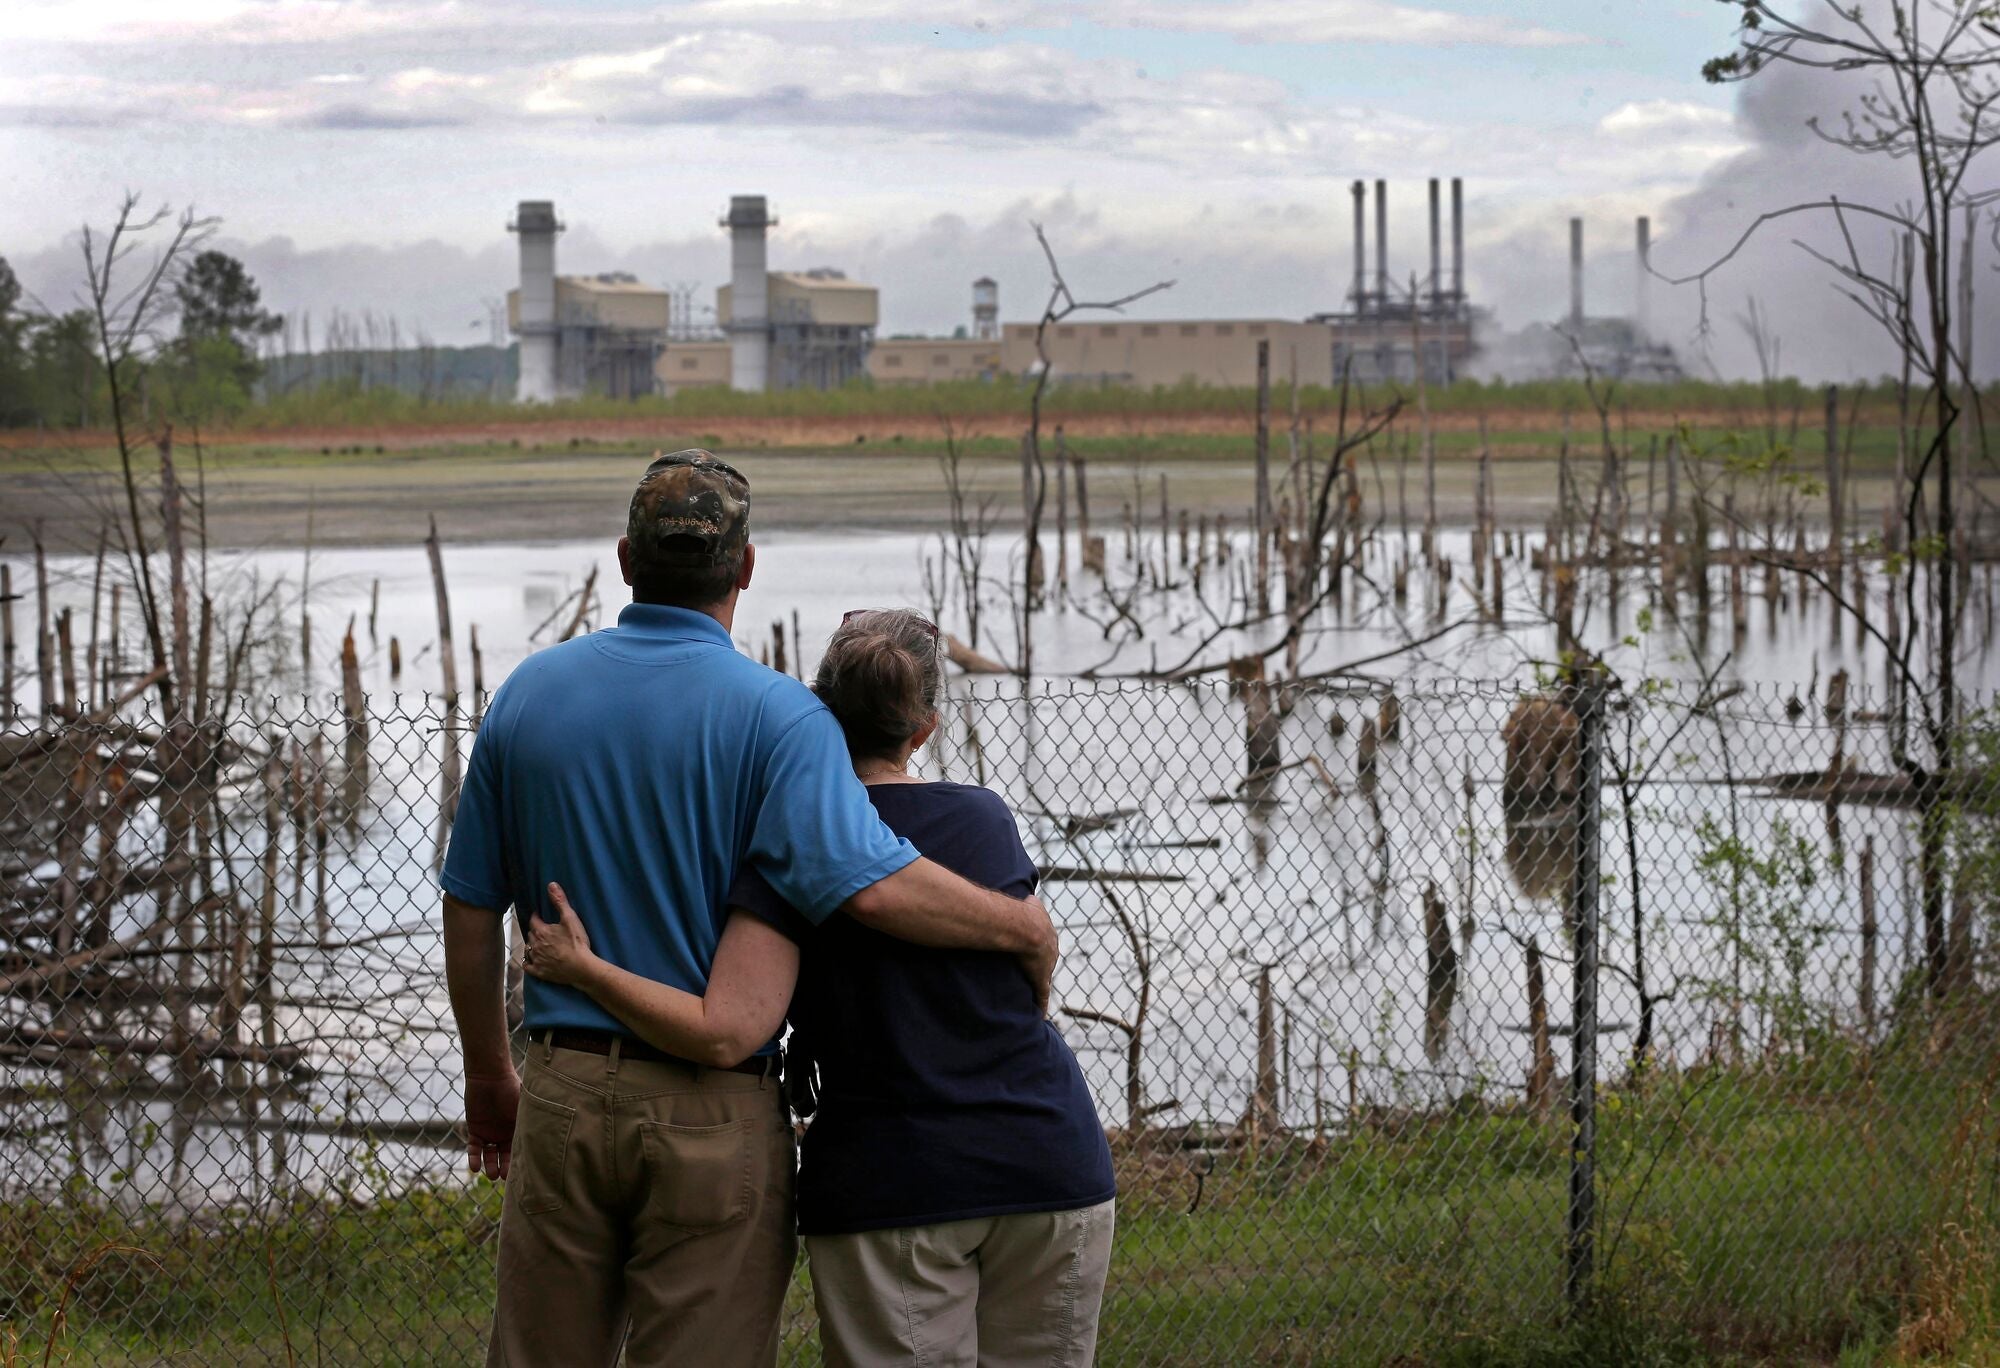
{"x": 423, "y": 372}
{"x": 204, "y": 349}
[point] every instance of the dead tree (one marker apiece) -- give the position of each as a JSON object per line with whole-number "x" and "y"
{"x": 1933, "y": 107}
{"x": 1138, "y": 943}
{"x": 1034, "y": 473}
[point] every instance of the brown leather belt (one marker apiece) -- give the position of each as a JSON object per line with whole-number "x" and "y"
{"x": 631, "y": 1047}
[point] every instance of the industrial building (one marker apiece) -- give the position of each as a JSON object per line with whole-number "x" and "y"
{"x": 1616, "y": 347}
{"x": 600, "y": 334}
{"x": 1146, "y": 354}
{"x": 1378, "y": 337}
{"x": 928, "y": 360}
{"x": 786, "y": 330}
{"x": 816, "y": 329}
{"x": 1395, "y": 326}
{"x": 608, "y": 333}
{"x": 611, "y": 335}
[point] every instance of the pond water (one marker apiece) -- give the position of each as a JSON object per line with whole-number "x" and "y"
{"x": 520, "y": 597}
{"x": 1316, "y": 879}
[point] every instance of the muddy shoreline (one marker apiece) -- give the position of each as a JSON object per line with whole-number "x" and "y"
{"x": 366, "y": 499}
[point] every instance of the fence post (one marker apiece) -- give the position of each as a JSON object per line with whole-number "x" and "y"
{"x": 1580, "y": 1248}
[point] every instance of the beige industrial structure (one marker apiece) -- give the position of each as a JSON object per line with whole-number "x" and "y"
{"x": 609, "y": 334}
{"x": 1140, "y": 354}
{"x": 818, "y": 325}
{"x": 927, "y": 360}
{"x": 1150, "y": 354}
{"x": 608, "y": 331}
{"x": 820, "y": 328}
{"x": 699, "y": 364}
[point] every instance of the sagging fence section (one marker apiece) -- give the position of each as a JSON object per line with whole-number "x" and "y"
{"x": 1418, "y": 1014}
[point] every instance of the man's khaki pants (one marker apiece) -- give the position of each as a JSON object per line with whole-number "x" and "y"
{"x": 648, "y": 1205}
{"x": 995, "y": 1292}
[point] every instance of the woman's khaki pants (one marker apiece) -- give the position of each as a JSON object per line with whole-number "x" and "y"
{"x": 996, "y": 1292}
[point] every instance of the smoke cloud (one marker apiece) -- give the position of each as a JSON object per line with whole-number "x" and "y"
{"x": 1824, "y": 336}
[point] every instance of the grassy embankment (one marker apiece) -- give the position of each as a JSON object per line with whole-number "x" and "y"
{"x": 1837, "y": 1210}
{"x": 332, "y": 407}
{"x": 1520, "y": 417}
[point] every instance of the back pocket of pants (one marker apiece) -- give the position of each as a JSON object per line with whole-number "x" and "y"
{"x": 538, "y": 1172}
{"x": 699, "y": 1177}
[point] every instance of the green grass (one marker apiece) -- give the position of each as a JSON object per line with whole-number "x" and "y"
{"x": 1792, "y": 1211}
{"x": 334, "y": 406}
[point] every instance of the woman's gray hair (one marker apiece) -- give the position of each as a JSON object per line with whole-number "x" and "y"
{"x": 881, "y": 677}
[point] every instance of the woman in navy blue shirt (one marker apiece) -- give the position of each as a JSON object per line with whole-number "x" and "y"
{"x": 955, "y": 1189}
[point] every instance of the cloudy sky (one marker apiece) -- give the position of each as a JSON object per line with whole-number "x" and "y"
{"x": 365, "y": 154}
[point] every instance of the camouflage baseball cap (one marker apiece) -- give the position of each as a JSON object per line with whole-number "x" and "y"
{"x": 689, "y": 494}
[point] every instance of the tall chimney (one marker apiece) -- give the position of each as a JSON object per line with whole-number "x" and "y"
{"x": 749, "y": 294}
{"x": 1641, "y": 310}
{"x": 1437, "y": 262}
{"x": 1382, "y": 242}
{"x": 1361, "y": 247}
{"x": 1576, "y": 273}
{"x": 1457, "y": 242}
{"x": 535, "y": 319}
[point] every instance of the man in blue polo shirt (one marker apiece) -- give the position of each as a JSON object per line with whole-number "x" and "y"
{"x": 649, "y": 1199}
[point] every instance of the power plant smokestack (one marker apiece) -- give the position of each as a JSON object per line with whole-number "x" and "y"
{"x": 1457, "y": 242}
{"x": 1437, "y": 263}
{"x": 1576, "y": 273}
{"x": 1640, "y": 309}
{"x": 1382, "y": 242}
{"x": 749, "y": 294}
{"x": 535, "y": 321}
{"x": 1361, "y": 247}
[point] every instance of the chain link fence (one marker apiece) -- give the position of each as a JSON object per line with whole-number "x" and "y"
{"x": 1424, "y": 1021}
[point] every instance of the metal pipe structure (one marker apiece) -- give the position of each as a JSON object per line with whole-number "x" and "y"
{"x": 749, "y": 294}
{"x": 535, "y": 320}
{"x": 1382, "y": 243}
{"x": 1576, "y": 273}
{"x": 1640, "y": 310}
{"x": 1437, "y": 264}
{"x": 1361, "y": 247}
{"x": 1457, "y": 242}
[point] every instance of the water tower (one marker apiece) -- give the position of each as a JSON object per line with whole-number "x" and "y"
{"x": 986, "y": 309}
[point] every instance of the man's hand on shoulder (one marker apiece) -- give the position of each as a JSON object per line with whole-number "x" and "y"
{"x": 490, "y": 1108}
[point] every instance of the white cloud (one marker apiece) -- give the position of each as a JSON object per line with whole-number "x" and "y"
{"x": 1208, "y": 123}
{"x": 314, "y": 22}
{"x": 1643, "y": 117}
{"x": 327, "y": 22}
{"x": 739, "y": 64}
{"x": 1331, "y": 21}
{"x": 1679, "y": 140}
